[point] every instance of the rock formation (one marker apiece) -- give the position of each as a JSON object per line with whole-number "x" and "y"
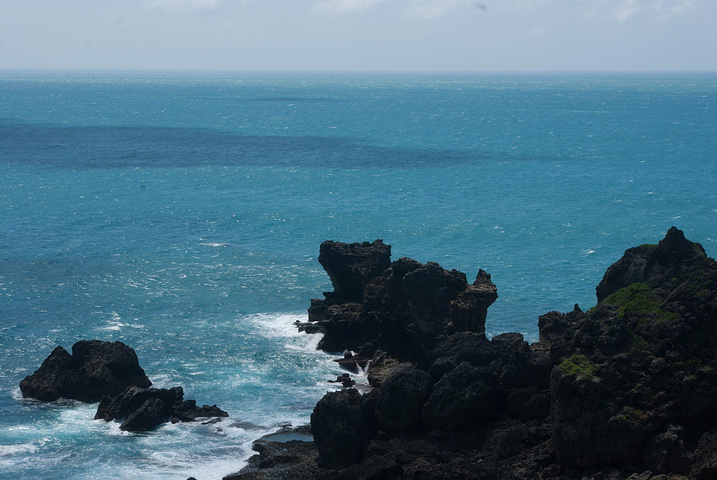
{"x": 110, "y": 373}
{"x": 94, "y": 369}
{"x": 626, "y": 390}
{"x": 400, "y": 307}
{"x": 145, "y": 408}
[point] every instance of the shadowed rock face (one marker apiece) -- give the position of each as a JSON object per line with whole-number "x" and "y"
{"x": 94, "y": 369}
{"x": 399, "y": 405}
{"x": 342, "y": 424}
{"x": 145, "y": 408}
{"x": 352, "y": 265}
{"x": 640, "y": 363}
{"x": 402, "y": 306}
{"x": 653, "y": 264}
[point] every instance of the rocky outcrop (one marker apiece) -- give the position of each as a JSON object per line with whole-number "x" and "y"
{"x": 144, "y": 409}
{"x": 625, "y": 390}
{"x": 402, "y": 307}
{"x": 657, "y": 265}
{"x": 351, "y": 266}
{"x": 110, "y": 373}
{"x": 127, "y": 402}
{"x": 94, "y": 369}
{"x": 635, "y": 380}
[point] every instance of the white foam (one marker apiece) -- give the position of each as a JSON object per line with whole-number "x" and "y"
{"x": 213, "y": 244}
{"x": 24, "y": 448}
{"x": 115, "y": 326}
{"x": 272, "y": 325}
{"x": 16, "y": 394}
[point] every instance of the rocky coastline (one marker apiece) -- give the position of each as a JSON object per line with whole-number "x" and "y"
{"x": 625, "y": 390}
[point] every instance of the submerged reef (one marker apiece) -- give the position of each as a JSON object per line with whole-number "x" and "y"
{"x": 625, "y": 390}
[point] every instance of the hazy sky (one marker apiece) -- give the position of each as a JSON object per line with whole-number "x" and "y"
{"x": 464, "y": 35}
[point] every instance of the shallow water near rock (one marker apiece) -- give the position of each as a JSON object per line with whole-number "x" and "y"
{"x": 182, "y": 215}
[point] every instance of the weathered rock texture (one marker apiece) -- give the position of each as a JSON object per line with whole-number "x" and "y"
{"x": 94, "y": 369}
{"x": 402, "y": 307}
{"x": 626, "y": 390}
{"x": 145, "y": 408}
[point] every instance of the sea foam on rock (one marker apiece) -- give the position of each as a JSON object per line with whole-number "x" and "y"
{"x": 110, "y": 373}
{"x": 145, "y": 408}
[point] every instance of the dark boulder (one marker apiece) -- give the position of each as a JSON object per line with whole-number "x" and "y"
{"x": 94, "y": 369}
{"x": 625, "y": 390}
{"x": 527, "y": 403}
{"x": 705, "y": 466}
{"x": 352, "y": 362}
{"x": 473, "y": 348}
{"x": 145, "y": 408}
{"x": 380, "y": 368}
{"x": 666, "y": 452}
{"x": 463, "y": 396}
{"x": 401, "y": 398}
{"x": 150, "y": 414}
{"x": 343, "y": 424}
{"x": 124, "y": 404}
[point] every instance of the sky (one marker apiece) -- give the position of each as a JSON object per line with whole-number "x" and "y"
{"x": 360, "y": 35}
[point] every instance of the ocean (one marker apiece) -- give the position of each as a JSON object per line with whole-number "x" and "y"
{"x": 182, "y": 213}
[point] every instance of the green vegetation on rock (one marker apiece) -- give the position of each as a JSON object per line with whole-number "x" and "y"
{"x": 577, "y": 365}
{"x": 645, "y": 248}
{"x": 639, "y": 344}
{"x": 638, "y": 300}
{"x": 631, "y": 415}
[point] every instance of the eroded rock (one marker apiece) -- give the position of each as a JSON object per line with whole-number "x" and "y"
{"x": 94, "y": 369}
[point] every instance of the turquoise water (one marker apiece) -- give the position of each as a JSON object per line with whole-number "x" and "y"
{"x": 182, "y": 214}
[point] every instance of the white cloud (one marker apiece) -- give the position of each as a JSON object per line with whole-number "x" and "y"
{"x": 662, "y": 9}
{"x": 428, "y": 9}
{"x": 425, "y": 9}
{"x": 628, "y": 10}
{"x": 333, "y": 7}
{"x": 182, "y": 5}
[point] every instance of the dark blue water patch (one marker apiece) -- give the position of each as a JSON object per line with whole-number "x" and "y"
{"x": 128, "y": 147}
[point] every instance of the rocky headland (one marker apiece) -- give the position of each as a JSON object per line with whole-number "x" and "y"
{"x": 625, "y": 390}
{"x": 109, "y": 373}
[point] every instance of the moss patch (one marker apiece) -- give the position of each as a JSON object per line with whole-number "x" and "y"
{"x": 577, "y": 365}
{"x": 630, "y": 415}
{"x": 645, "y": 248}
{"x": 639, "y": 344}
{"x": 638, "y": 300}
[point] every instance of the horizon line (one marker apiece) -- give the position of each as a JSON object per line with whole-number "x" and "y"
{"x": 345, "y": 71}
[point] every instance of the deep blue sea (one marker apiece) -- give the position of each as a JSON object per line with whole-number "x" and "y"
{"x": 182, "y": 214}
